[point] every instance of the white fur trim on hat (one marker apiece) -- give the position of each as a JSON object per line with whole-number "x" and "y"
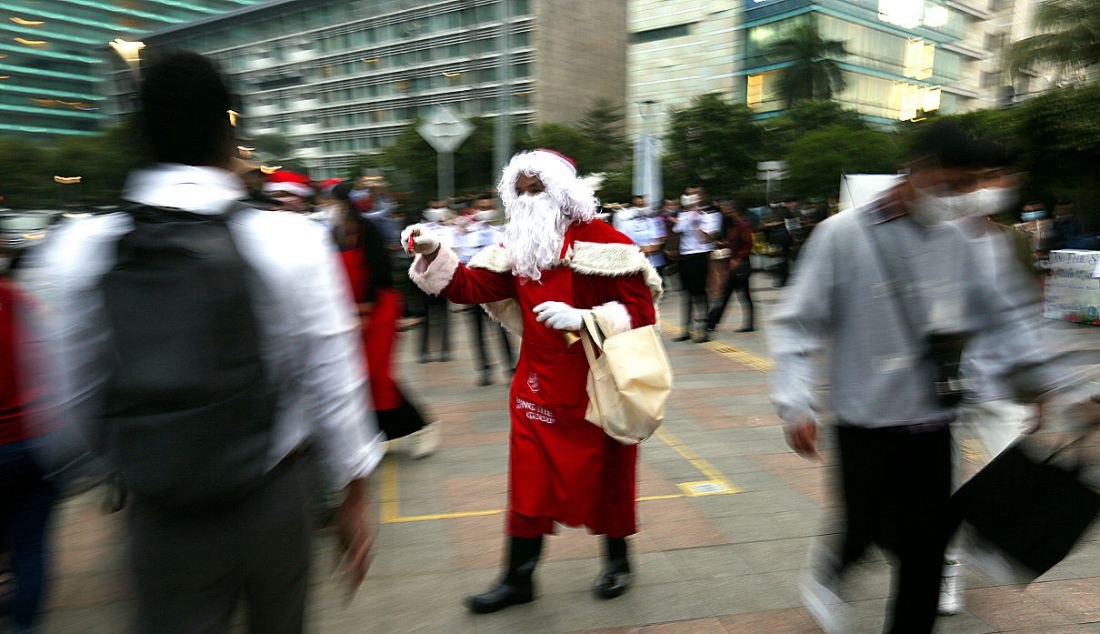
{"x": 613, "y": 318}
{"x": 571, "y": 194}
{"x": 433, "y": 278}
{"x": 296, "y": 189}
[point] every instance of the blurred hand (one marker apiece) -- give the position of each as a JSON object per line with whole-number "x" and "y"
{"x": 802, "y": 437}
{"x": 734, "y": 264}
{"x": 560, "y": 316}
{"x": 356, "y": 535}
{"x": 416, "y": 239}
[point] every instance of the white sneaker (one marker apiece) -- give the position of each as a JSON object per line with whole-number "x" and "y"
{"x": 822, "y": 603}
{"x": 951, "y": 589}
{"x": 426, "y": 441}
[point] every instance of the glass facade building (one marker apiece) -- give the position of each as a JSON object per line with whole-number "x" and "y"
{"x": 340, "y": 78}
{"x": 52, "y": 56}
{"x": 905, "y": 57}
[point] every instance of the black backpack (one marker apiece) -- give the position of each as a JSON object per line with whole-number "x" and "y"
{"x": 189, "y": 405}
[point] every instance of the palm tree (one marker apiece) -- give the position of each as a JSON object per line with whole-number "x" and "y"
{"x": 1068, "y": 37}
{"x": 814, "y": 72}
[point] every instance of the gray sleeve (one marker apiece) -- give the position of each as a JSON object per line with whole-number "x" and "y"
{"x": 801, "y": 326}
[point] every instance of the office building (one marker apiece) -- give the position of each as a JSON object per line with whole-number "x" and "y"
{"x": 905, "y": 58}
{"x": 342, "y": 78}
{"x": 51, "y": 58}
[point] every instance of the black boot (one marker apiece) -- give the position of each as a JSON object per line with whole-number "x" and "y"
{"x": 615, "y": 578}
{"x": 517, "y": 586}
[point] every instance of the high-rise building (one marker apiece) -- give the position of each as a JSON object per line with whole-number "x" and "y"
{"x": 904, "y": 57}
{"x": 51, "y": 56}
{"x": 341, "y": 78}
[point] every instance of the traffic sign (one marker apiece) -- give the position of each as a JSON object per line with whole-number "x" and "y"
{"x": 445, "y": 131}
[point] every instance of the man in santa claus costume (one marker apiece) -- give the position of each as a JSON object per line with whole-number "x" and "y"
{"x": 555, "y": 264}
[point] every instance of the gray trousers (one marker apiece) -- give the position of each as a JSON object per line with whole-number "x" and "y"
{"x": 191, "y": 573}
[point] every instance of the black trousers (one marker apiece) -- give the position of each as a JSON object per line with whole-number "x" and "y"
{"x": 693, "y": 279}
{"x": 191, "y": 573}
{"x": 896, "y": 484}
{"x": 477, "y": 327}
{"x": 436, "y": 317}
{"x": 737, "y": 281}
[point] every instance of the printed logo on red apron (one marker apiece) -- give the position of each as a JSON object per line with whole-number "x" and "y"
{"x": 533, "y": 383}
{"x": 535, "y": 412}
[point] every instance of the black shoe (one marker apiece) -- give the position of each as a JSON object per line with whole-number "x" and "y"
{"x": 683, "y": 337}
{"x": 486, "y": 377}
{"x": 445, "y": 357}
{"x": 615, "y": 578}
{"x": 612, "y": 583}
{"x": 747, "y": 329}
{"x": 703, "y": 338}
{"x": 500, "y": 596}
{"x": 518, "y": 586}
{"x": 425, "y": 358}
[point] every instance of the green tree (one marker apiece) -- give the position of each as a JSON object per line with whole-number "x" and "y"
{"x": 27, "y": 181}
{"x": 805, "y": 117}
{"x": 602, "y": 124}
{"x": 813, "y": 72}
{"x": 816, "y": 160}
{"x": 713, "y": 143}
{"x": 1068, "y": 37}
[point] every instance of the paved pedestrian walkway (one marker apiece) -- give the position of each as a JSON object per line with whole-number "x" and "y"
{"x": 727, "y": 515}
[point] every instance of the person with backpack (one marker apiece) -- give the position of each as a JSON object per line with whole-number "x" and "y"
{"x": 203, "y": 345}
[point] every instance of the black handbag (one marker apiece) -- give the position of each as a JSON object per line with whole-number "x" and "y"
{"x": 1021, "y": 515}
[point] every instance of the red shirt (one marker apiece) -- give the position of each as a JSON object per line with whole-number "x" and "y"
{"x": 12, "y": 401}
{"x": 739, "y": 239}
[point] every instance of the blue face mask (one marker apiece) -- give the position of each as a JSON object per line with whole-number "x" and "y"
{"x": 1031, "y": 216}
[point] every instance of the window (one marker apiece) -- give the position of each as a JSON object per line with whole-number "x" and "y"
{"x": 991, "y": 80}
{"x": 521, "y": 71}
{"x": 521, "y": 40}
{"x": 664, "y": 33}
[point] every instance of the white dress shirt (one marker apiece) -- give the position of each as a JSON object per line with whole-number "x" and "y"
{"x": 310, "y": 340}
{"x": 468, "y": 236}
{"x": 691, "y": 225}
{"x": 646, "y": 231}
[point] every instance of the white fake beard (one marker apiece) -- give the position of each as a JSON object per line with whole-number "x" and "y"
{"x": 534, "y": 234}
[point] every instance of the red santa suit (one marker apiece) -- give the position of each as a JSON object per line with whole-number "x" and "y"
{"x": 562, "y": 468}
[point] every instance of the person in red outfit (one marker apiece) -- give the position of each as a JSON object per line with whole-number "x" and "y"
{"x": 370, "y": 274}
{"x": 738, "y": 239}
{"x": 555, "y": 263}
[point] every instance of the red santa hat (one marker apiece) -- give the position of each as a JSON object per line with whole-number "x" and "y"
{"x": 286, "y": 182}
{"x": 326, "y": 186}
{"x": 558, "y": 174}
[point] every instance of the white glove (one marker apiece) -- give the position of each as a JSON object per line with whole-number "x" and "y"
{"x": 417, "y": 239}
{"x": 560, "y": 316}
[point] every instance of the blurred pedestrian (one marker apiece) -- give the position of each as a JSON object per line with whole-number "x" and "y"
{"x": 738, "y": 239}
{"x": 989, "y": 412}
{"x": 378, "y": 305}
{"x": 887, "y": 292}
{"x": 26, "y": 496}
{"x": 436, "y": 217}
{"x": 471, "y": 233}
{"x": 698, "y": 229}
{"x": 563, "y": 469}
{"x": 647, "y": 230}
{"x": 1067, "y": 228}
{"x": 204, "y": 344}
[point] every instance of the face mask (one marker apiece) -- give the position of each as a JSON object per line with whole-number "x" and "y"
{"x": 928, "y": 209}
{"x": 486, "y": 216}
{"x": 1032, "y": 216}
{"x": 995, "y": 200}
{"x": 435, "y": 215}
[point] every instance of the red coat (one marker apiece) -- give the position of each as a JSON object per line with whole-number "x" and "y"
{"x": 563, "y": 468}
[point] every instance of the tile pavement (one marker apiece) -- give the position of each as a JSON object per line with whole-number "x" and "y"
{"x": 714, "y": 564}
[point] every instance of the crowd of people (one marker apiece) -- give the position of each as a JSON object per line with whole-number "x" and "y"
{"x": 221, "y": 351}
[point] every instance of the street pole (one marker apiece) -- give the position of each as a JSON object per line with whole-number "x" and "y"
{"x": 446, "y": 168}
{"x": 502, "y": 150}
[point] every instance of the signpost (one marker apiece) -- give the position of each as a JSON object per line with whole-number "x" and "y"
{"x": 769, "y": 171}
{"x": 445, "y": 132}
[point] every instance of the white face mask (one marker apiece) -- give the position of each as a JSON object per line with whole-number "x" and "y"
{"x": 996, "y": 200}
{"x": 435, "y": 215}
{"x": 929, "y": 209}
{"x": 488, "y": 215}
